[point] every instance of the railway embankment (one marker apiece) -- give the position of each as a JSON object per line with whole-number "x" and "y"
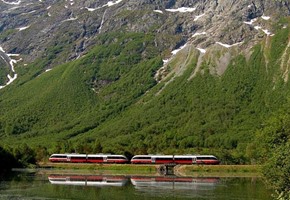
{"x": 182, "y": 170}
{"x": 219, "y": 170}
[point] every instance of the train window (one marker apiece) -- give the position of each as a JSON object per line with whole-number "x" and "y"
{"x": 95, "y": 158}
{"x": 141, "y": 158}
{"x": 206, "y": 158}
{"x": 182, "y": 158}
{"x": 78, "y": 157}
{"x": 164, "y": 158}
{"x": 116, "y": 157}
{"x": 58, "y": 156}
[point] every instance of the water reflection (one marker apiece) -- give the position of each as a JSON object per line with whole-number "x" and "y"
{"x": 139, "y": 182}
{"x": 152, "y": 185}
{"x": 173, "y": 182}
{"x": 88, "y": 180}
{"x": 47, "y": 184}
{"x": 174, "y": 186}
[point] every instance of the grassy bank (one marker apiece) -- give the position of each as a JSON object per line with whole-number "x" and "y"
{"x": 219, "y": 170}
{"x": 183, "y": 170}
{"x": 103, "y": 168}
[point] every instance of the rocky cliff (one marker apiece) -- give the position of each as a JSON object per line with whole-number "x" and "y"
{"x": 31, "y": 27}
{"x": 202, "y": 73}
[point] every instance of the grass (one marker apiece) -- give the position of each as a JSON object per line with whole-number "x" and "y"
{"x": 220, "y": 170}
{"x": 103, "y": 168}
{"x": 182, "y": 170}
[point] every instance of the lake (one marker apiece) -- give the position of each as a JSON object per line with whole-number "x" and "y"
{"x": 44, "y": 185}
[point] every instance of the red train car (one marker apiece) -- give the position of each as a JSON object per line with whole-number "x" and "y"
{"x": 175, "y": 159}
{"x": 88, "y": 158}
{"x": 196, "y": 159}
{"x": 152, "y": 159}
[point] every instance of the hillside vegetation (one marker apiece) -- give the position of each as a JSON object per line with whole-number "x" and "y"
{"x": 109, "y": 101}
{"x": 110, "y": 95}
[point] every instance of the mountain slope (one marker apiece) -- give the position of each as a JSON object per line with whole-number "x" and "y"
{"x": 142, "y": 76}
{"x": 206, "y": 111}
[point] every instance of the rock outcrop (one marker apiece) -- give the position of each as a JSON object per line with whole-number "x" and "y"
{"x": 35, "y": 28}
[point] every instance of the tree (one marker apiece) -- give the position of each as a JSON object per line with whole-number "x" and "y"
{"x": 7, "y": 161}
{"x": 41, "y": 153}
{"x": 274, "y": 150}
{"x": 277, "y": 171}
{"x": 24, "y": 155}
{"x": 97, "y": 148}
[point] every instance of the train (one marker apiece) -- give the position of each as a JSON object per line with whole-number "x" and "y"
{"x": 175, "y": 159}
{"x": 137, "y": 159}
{"x": 89, "y": 158}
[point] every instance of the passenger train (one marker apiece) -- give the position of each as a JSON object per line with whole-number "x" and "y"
{"x": 88, "y": 158}
{"x": 175, "y": 159}
{"x": 138, "y": 159}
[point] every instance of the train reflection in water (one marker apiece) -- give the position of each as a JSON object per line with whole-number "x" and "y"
{"x": 152, "y": 185}
{"x": 173, "y": 182}
{"x": 88, "y": 180}
{"x": 174, "y": 186}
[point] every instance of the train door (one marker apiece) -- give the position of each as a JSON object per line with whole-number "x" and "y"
{"x": 153, "y": 159}
{"x": 68, "y": 158}
{"x": 194, "y": 160}
{"x": 105, "y": 159}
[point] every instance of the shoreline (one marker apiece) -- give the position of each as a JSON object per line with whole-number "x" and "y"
{"x": 129, "y": 169}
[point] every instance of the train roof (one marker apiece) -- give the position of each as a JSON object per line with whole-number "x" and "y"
{"x": 77, "y": 155}
{"x": 177, "y": 156}
{"x": 58, "y": 154}
{"x": 90, "y": 155}
{"x": 194, "y": 156}
{"x": 162, "y": 156}
{"x": 102, "y": 155}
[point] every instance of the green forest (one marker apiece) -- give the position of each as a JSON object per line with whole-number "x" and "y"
{"x": 108, "y": 101}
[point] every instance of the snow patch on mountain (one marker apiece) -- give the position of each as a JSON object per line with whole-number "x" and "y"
{"x": 70, "y": 19}
{"x": 11, "y": 79}
{"x": 201, "y": 50}
{"x": 198, "y": 17}
{"x": 181, "y": 10}
{"x": 229, "y": 45}
{"x": 109, "y": 4}
{"x": 158, "y": 11}
{"x": 91, "y": 9}
{"x": 12, "y": 3}
{"x": 102, "y": 22}
{"x": 11, "y": 62}
{"x": 174, "y": 52}
{"x": 267, "y": 32}
{"x": 258, "y": 27}
{"x": 197, "y": 34}
{"x": 265, "y": 17}
{"x": 251, "y": 22}
{"x": 1, "y": 49}
{"x": 23, "y": 28}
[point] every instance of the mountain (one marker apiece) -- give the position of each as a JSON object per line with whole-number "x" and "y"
{"x": 142, "y": 76}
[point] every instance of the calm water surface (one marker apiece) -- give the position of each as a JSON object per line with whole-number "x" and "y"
{"x": 24, "y": 185}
